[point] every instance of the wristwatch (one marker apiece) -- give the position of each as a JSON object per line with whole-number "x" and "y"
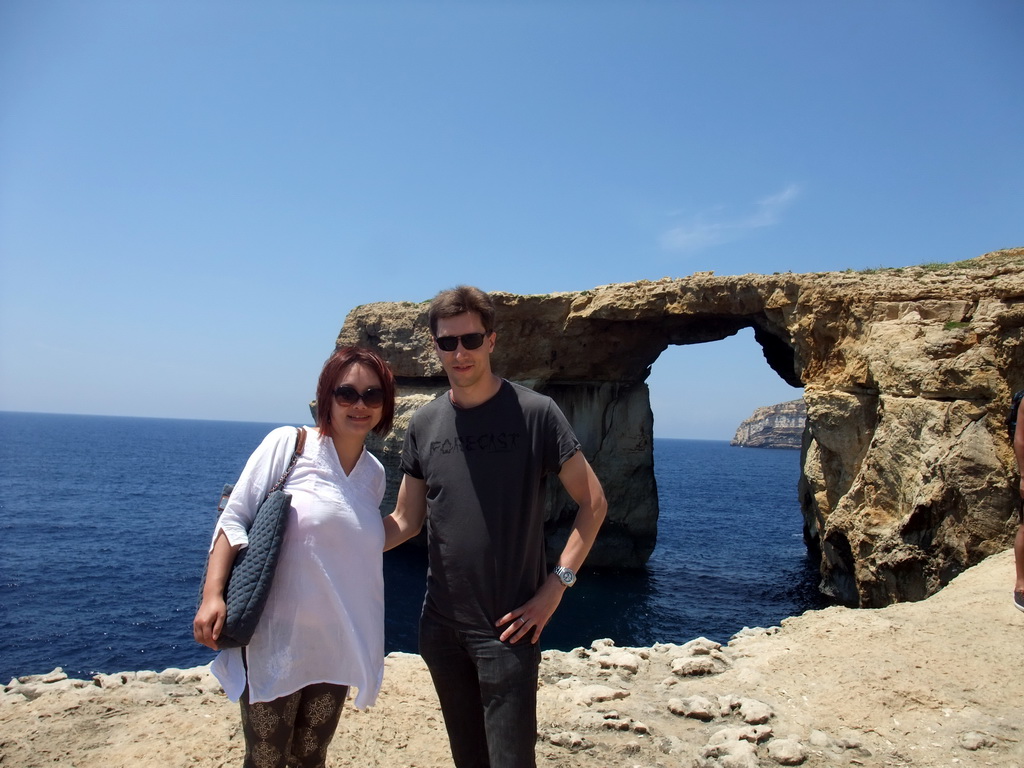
{"x": 567, "y": 575}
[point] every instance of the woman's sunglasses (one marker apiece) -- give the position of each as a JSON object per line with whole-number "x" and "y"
{"x": 469, "y": 341}
{"x": 346, "y": 395}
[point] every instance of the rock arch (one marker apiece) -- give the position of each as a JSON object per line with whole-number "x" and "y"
{"x": 906, "y": 474}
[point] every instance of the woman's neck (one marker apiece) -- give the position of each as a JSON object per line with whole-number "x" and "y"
{"x": 348, "y": 452}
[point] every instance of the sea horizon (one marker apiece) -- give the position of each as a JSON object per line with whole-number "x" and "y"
{"x": 308, "y": 422}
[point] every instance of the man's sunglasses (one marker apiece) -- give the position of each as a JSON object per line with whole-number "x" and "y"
{"x": 346, "y": 395}
{"x": 469, "y": 341}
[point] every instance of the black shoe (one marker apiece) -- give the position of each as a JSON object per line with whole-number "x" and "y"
{"x": 1018, "y": 600}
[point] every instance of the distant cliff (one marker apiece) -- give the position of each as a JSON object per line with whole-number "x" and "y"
{"x": 774, "y": 426}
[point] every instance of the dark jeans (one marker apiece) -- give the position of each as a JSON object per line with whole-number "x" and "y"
{"x": 488, "y": 695}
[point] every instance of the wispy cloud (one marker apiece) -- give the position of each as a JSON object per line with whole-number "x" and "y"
{"x": 717, "y": 225}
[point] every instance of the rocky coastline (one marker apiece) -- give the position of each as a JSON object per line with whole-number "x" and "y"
{"x": 931, "y": 683}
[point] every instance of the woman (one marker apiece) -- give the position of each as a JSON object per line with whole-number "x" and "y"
{"x": 322, "y": 630}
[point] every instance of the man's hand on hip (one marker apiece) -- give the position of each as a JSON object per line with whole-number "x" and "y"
{"x": 531, "y": 617}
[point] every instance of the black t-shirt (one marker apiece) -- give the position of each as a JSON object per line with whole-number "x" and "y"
{"x": 485, "y": 469}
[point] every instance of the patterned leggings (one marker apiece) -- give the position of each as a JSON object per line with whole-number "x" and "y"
{"x": 294, "y": 730}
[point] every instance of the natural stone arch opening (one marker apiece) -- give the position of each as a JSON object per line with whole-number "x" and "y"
{"x": 616, "y": 426}
{"x": 729, "y": 376}
{"x": 723, "y": 382}
{"x": 732, "y": 377}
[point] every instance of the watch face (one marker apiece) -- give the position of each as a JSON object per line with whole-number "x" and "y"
{"x": 568, "y": 577}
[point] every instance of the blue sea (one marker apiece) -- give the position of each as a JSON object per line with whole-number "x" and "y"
{"x": 104, "y": 525}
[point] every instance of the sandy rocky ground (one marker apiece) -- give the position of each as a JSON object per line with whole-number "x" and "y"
{"x": 935, "y": 683}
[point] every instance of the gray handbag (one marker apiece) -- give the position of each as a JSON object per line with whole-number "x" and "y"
{"x": 248, "y": 584}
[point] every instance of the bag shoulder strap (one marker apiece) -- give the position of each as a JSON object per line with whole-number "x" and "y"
{"x": 300, "y": 443}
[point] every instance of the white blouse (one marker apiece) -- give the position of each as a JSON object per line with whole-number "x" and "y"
{"x": 324, "y": 618}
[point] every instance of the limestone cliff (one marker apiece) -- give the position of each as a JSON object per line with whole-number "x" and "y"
{"x": 907, "y": 475}
{"x": 773, "y": 426}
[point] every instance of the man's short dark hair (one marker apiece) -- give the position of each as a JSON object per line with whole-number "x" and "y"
{"x": 458, "y": 301}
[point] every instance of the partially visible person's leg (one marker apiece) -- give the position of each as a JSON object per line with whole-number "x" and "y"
{"x": 508, "y": 690}
{"x": 316, "y": 721}
{"x": 1018, "y": 556}
{"x": 458, "y": 690}
{"x": 268, "y": 727}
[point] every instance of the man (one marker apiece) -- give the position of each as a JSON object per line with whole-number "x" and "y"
{"x": 474, "y": 463}
{"x": 1018, "y": 543}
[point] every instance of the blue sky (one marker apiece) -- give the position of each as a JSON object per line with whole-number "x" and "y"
{"x": 193, "y": 195}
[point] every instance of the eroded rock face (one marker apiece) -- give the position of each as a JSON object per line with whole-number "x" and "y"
{"x": 907, "y": 475}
